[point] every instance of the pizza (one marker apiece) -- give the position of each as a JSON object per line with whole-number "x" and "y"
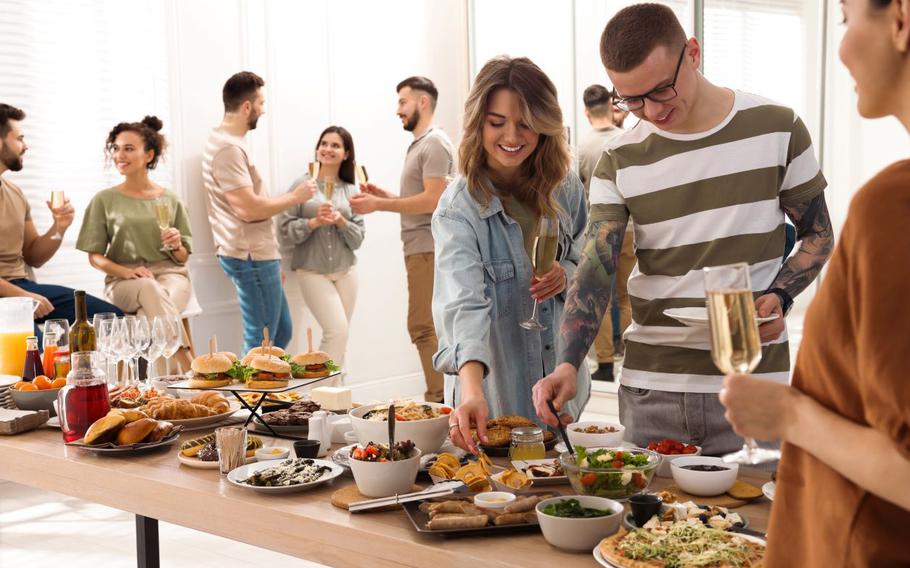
{"x": 683, "y": 545}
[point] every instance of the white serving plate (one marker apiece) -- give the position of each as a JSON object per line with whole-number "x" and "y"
{"x": 237, "y": 475}
{"x": 768, "y": 490}
{"x": 698, "y": 317}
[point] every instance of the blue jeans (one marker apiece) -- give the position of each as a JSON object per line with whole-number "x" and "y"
{"x": 262, "y": 300}
{"x": 64, "y": 303}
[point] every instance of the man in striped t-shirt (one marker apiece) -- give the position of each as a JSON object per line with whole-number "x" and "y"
{"x": 706, "y": 178}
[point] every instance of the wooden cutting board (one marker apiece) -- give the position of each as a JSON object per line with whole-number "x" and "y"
{"x": 722, "y": 500}
{"x": 347, "y": 495}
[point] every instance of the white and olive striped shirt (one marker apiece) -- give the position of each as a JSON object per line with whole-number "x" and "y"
{"x": 697, "y": 200}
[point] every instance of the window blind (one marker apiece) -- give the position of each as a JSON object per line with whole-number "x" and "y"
{"x": 77, "y": 68}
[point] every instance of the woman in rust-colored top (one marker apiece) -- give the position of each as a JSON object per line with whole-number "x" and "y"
{"x": 843, "y": 487}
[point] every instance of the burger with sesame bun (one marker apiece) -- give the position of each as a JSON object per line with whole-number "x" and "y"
{"x": 256, "y": 351}
{"x": 211, "y": 371}
{"x": 269, "y": 372}
{"x": 312, "y": 365}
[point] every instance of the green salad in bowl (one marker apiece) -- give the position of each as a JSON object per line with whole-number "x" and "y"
{"x": 615, "y": 473}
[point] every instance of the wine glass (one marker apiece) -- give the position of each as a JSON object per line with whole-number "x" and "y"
{"x": 118, "y": 346}
{"x": 163, "y": 217}
{"x": 61, "y": 328}
{"x": 103, "y": 335}
{"x": 172, "y": 332}
{"x": 105, "y": 329}
{"x": 329, "y": 189}
{"x": 361, "y": 173}
{"x": 735, "y": 345}
{"x": 545, "y": 241}
{"x": 141, "y": 338}
{"x": 57, "y": 201}
{"x": 313, "y": 170}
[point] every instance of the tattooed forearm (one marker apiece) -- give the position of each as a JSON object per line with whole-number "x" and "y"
{"x": 590, "y": 289}
{"x": 816, "y": 239}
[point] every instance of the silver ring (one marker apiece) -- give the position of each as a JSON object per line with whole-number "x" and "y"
{"x": 453, "y": 426}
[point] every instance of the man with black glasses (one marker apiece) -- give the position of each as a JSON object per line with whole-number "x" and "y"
{"x": 706, "y": 178}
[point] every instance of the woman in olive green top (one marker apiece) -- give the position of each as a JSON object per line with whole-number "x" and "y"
{"x": 145, "y": 265}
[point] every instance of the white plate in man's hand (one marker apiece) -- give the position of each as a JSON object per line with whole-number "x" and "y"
{"x": 698, "y": 317}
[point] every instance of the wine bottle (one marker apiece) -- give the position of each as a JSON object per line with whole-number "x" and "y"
{"x": 82, "y": 334}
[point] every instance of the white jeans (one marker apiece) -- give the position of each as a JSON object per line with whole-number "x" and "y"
{"x": 331, "y": 298}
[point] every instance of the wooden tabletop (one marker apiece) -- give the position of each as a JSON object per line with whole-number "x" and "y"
{"x": 303, "y": 524}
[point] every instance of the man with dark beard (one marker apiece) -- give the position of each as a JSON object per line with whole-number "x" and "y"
{"x": 428, "y": 162}
{"x": 240, "y": 213}
{"x": 21, "y": 245}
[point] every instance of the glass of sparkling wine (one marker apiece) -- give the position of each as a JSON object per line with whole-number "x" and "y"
{"x": 57, "y": 201}
{"x": 361, "y": 173}
{"x": 545, "y": 244}
{"x": 735, "y": 344}
{"x": 313, "y": 170}
{"x": 329, "y": 188}
{"x": 163, "y": 216}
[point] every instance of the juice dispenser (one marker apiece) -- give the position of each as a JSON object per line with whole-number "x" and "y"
{"x": 17, "y": 322}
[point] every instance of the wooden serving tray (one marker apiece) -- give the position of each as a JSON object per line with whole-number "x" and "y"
{"x": 347, "y": 495}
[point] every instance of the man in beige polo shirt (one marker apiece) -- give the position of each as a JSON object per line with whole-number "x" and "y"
{"x": 240, "y": 213}
{"x": 429, "y": 160}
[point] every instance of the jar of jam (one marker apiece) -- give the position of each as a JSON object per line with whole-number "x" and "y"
{"x": 527, "y": 444}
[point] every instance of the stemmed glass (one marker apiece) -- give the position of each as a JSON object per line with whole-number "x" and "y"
{"x": 103, "y": 336}
{"x": 61, "y": 328}
{"x": 142, "y": 336}
{"x": 545, "y": 244}
{"x": 163, "y": 217}
{"x": 735, "y": 344}
{"x": 167, "y": 335}
{"x": 57, "y": 201}
{"x": 119, "y": 344}
{"x": 157, "y": 341}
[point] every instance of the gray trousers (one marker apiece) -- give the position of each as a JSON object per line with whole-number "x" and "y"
{"x": 693, "y": 418}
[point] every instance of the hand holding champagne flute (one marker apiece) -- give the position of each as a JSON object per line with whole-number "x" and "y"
{"x": 545, "y": 244}
{"x": 735, "y": 346}
{"x": 58, "y": 200}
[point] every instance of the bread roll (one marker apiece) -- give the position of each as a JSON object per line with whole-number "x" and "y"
{"x": 104, "y": 429}
{"x": 135, "y": 432}
{"x": 131, "y": 414}
{"x": 162, "y": 429}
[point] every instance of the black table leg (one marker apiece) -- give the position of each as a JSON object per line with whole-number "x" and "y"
{"x": 147, "y": 542}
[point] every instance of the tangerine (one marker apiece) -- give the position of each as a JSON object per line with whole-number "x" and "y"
{"x": 42, "y": 382}
{"x": 26, "y": 386}
{"x": 58, "y": 383}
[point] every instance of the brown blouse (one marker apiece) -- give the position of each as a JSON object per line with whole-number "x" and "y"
{"x": 855, "y": 360}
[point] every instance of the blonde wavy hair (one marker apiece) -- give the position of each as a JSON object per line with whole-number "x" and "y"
{"x": 546, "y": 168}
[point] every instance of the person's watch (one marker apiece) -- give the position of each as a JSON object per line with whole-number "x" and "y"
{"x": 786, "y": 302}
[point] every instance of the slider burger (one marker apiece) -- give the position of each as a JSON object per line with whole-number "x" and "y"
{"x": 268, "y": 373}
{"x": 256, "y": 351}
{"x": 316, "y": 364}
{"x": 210, "y": 371}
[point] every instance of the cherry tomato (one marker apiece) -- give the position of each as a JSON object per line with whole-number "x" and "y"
{"x": 588, "y": 478}
{"x": 639, "y": 480}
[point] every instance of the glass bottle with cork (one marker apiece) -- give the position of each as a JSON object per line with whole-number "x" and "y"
{"x": 84, "y": 399}
{"x": 82, "y": 333}
{"x": 527, "y": 444}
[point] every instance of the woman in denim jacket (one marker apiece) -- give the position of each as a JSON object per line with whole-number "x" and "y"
{"x": 516, "y": 166}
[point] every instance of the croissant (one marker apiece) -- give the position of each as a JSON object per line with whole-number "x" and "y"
{"x": 177, "y": 410}
{"x": 213, "y": 400}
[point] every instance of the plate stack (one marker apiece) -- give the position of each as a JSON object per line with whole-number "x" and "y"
{"x": 6, "y": 399}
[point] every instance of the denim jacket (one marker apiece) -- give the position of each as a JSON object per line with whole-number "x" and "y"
{"x": 480, "y": 295}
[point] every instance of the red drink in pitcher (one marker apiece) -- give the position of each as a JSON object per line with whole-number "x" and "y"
{"x": 84, "y": 399}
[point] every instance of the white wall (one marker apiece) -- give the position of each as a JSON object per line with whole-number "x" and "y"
{"x": 323, "y": 63}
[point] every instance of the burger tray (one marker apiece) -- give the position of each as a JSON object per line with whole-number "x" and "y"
{"x": 292, "y": 384}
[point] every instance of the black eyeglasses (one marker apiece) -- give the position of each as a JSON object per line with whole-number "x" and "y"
{"x": 658, "y": 95}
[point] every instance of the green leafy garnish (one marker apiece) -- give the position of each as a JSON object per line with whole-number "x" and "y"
{"x": 572, "y": 508}
{"x": 240, "y": 371}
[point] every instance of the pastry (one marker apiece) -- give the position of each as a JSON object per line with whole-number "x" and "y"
{"x": 160, "y": 432}
{"x": 213, "y": 400}
{"x": 135, "y": 432}
{"x": 104, "y": 429}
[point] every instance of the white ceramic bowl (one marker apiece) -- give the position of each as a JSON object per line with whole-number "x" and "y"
{"x": 493, "y": 499}
{"x": 703, "y": 483}
{"x": 272, "y": 453}
{"x": 383, "y": 479}
{"x": 607, "y": 440}
{"x": 579, "y": 534}
{"x": 663, "y": 470}
{"x": 428, "y": 435}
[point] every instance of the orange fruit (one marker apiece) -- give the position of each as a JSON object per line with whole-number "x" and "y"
{"x": 58, "y": 383}
{"x": 42, "y": 382}
{"x": 26, "y": 386}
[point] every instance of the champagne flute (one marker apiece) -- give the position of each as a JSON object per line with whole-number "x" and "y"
{"x": 57, "y": 201}
{"x": 545, "y": 241}
{"x": 735, "y": 344}
{"x": 361, "y": 173}
{"x": 329, "y": 188}
{"x": 313, "y": 168}
{"x": 163, "y": 217}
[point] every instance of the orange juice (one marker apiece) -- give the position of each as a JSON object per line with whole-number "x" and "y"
{"x": 12, "y": 352}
